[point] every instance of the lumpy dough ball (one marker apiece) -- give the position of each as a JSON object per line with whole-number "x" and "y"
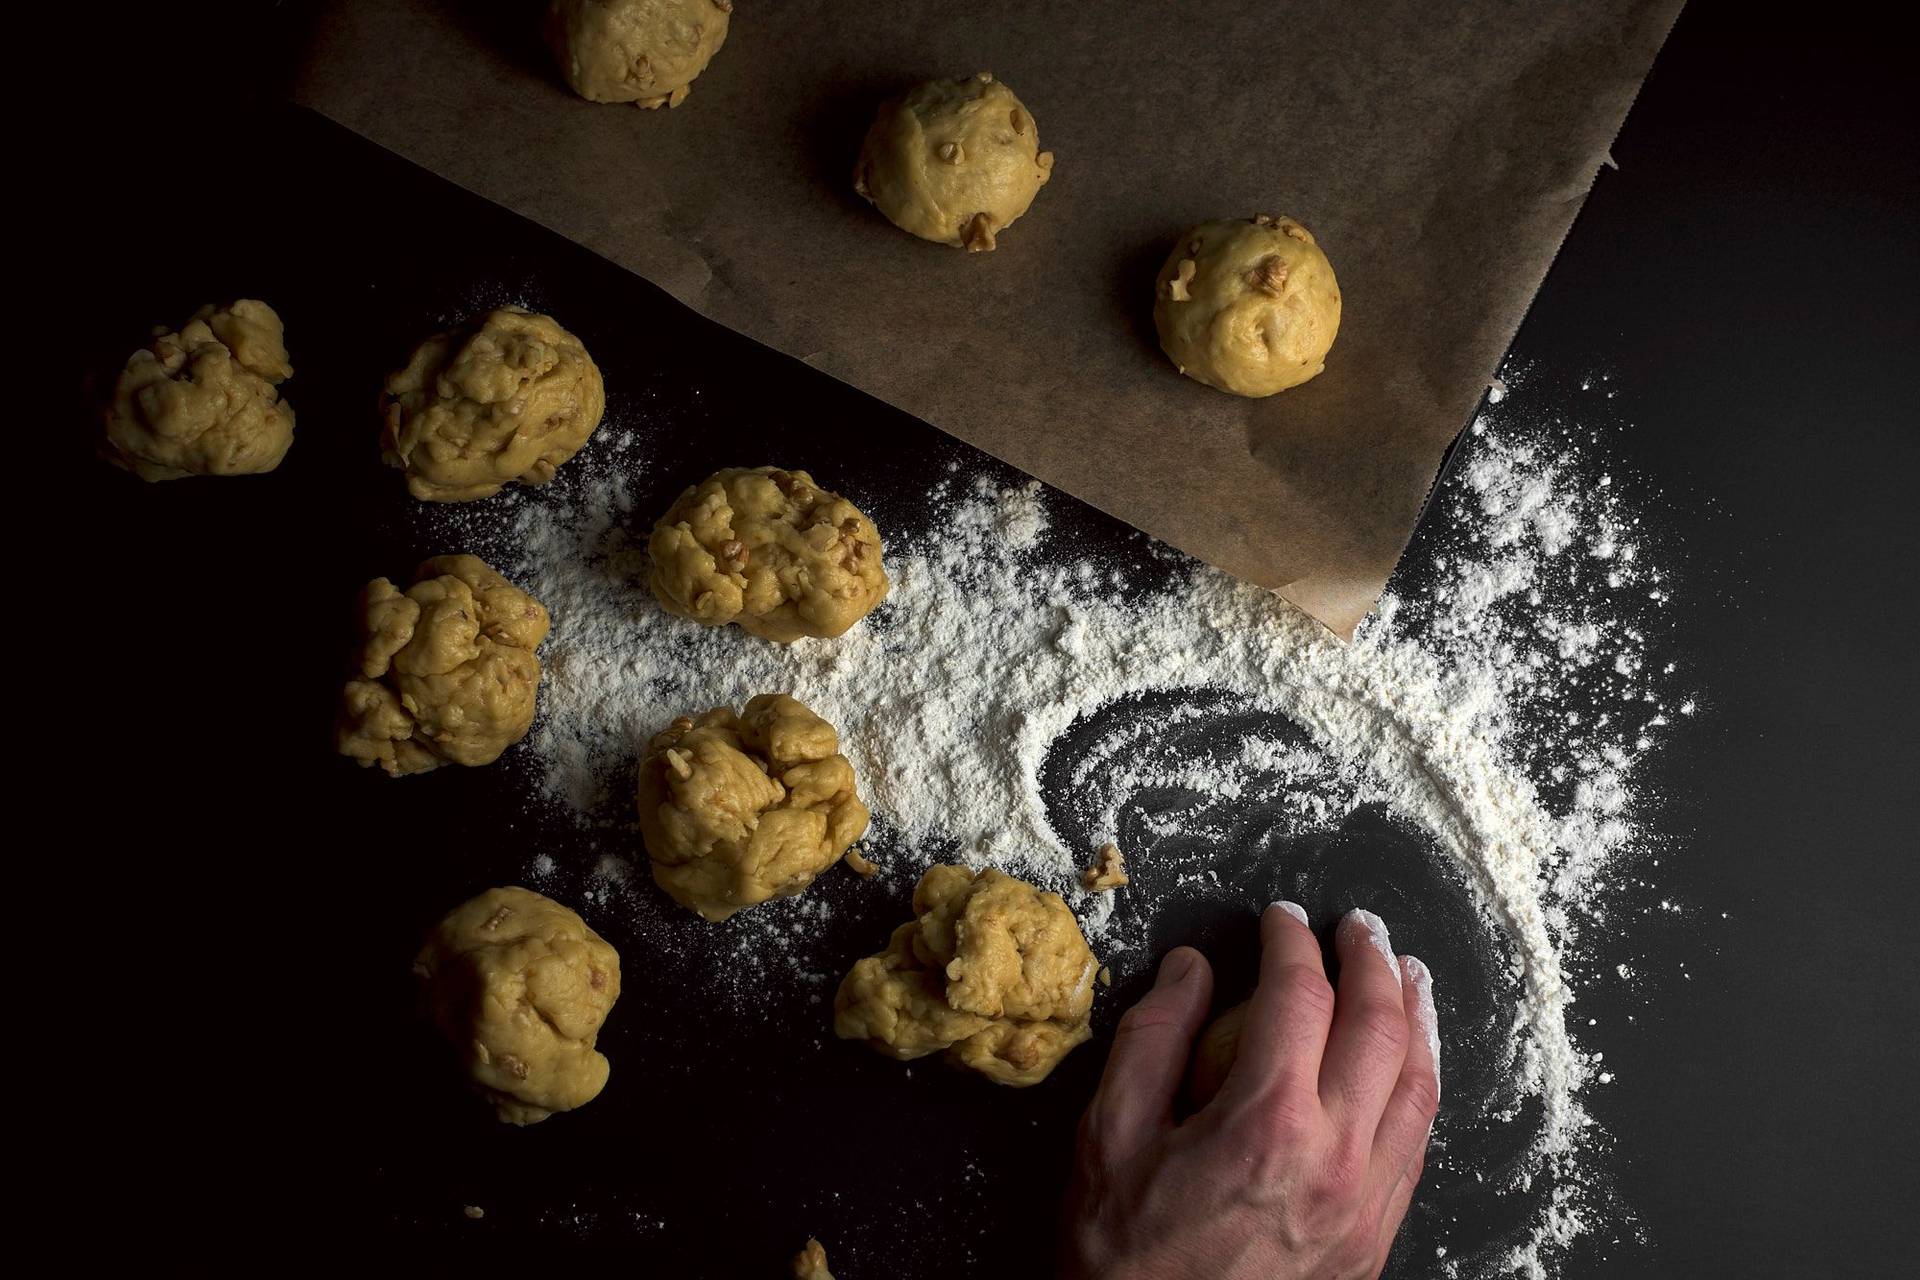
{"x": 770, "y": 550}
{"x": 1248, "y": 306}
{"x": 519, "y": 986}
{"x": 647, "y": 52}
{"x": 993, "y": 972}
{"x": 508, "y": 397}
{"x": 737, "y": 809}
{"x": 204, "y": 401}
{"x": 1219, "y": 1046}
{"x": 811, "y": 1263}
{"x": 953, "y": 161}
{"x": 446, "y": 670}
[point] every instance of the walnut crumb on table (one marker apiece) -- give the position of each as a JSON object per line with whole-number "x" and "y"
{"x": 861, "y": 864}
{"x": 1109, "y": 870}
{"x": 473, "y": 1211}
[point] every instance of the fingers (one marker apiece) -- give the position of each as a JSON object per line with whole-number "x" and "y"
{"x": 1291, "y": 1009}
{"x": 1368, "y": 1044}
{"x": 1150, "y": 1049}
{"x": 1400, "y": 1141}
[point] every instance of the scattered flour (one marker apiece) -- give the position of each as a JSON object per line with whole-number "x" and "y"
{"x": 1499, "y": 707}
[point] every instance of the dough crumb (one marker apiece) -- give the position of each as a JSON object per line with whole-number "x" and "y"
{"x": 474, "y": 1211}
{"x": 861, "y": 863}
{"x": 992, "y": 972}
{"x": 811, "y": 1263}
{"x": 1108, "y": 872}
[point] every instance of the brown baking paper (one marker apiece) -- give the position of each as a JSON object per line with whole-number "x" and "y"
{"x": 1438, "y": 153}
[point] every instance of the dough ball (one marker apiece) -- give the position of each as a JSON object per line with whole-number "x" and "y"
{"x": 203, "y": 401}
{"x": 519, "y": 986}
{"x": 953, "y": 161}
{"x": 993, "y": 972}
{"x": 508, "y": 397}
{"x": 646, "y": 52}
{"x": 1219, "y": 1046}
{"x": 737, "y": 809}
{"x": 770, "y": 550}
{"x": 1248, "y": 306}
{"x": 446, "y": 670}
{"x": 811, "y": 1263}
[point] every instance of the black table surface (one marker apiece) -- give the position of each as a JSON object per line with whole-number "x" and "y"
{"x": 241, "y": 907}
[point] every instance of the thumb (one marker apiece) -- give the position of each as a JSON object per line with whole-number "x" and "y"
{"x": 1134, "y": 1102}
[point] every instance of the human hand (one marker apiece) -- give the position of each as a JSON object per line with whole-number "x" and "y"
{"x": 1305, "y": 1162}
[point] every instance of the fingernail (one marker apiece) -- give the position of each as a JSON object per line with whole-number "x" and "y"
{"x": 1376, "y": 934}
{"x": 1422, "y": 979}
{"x": 1295, "y": 910}
{"x": 1176, "y": 966}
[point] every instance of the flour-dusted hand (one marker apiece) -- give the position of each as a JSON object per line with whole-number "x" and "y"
{"x": 1305, "y": 1161}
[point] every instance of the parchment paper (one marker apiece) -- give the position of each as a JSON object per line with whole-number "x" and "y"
{"x": 1438, "y": 153}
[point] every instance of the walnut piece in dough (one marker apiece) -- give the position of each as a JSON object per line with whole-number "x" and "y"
{"x": 1247, "y": 305}
{"x": 770, "y": 550}
{"x": 508, "y": 397}
{"x": 446, "y": 672}
{"x": 647, "y": 52}
{"x": 519, "y": 986}
{"x": 737, "y": 809}
{"x": 994, "y": 972}
{"x": 811, "y": 1263}
{"x": 203, "y": 401}
{"x": 953, "y": 161}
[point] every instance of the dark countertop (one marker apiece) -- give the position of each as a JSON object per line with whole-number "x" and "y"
{"x": 243, "y": 907}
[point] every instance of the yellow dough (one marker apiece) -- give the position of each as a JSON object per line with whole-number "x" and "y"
{"x": 519, "y": 986}
{"x": 1249, "y": 306}
{"x": 770, "y": 550}
{"x": 203, "y": 401}
{"x": 737, "y": 809}
{"x": 446, "y": 671}
{"x": 953, "y": 161}
{"x": 1219, "y": 1046}
{"x": 811, "y": 1263}
{"x": 646, "y": 52}
{"x": 508, "y": 397}
{"x": 993, "y": 972}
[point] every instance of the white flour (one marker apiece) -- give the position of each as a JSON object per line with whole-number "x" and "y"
{"x": 1497, "y": 708}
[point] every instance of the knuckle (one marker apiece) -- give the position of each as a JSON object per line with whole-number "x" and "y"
{"x": 1382, "y": 1028}
{"x": 1306, "y": 990}
{"x": 1324, "y": 1208}
{"x": 1343, "y": 1179}
{"x": 1146, "y": 1019}
{"x": 1286, "y": 1117}
{"x": 1423, "y": 1094}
